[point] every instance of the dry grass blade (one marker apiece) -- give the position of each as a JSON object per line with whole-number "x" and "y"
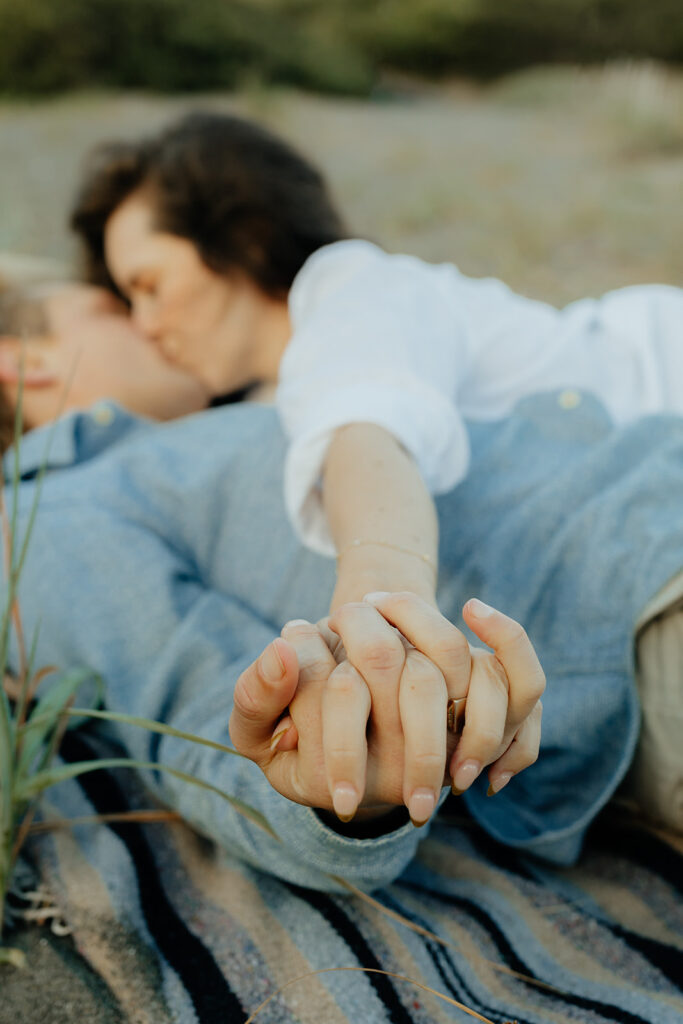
{"x": 420, "y": 930}
{"x": 41, "y": 674}
{"x": 12, "y": 957}
{"x": 116, "y": 818}
{"x": 373, "y": 970}
{"x": 34, "y": 785}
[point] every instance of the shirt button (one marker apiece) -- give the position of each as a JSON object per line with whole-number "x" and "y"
{"x": 103, "y": 415}
{"x": 569, "y": 400}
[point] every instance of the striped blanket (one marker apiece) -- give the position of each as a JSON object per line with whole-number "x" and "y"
{"x": 177, "y": 931}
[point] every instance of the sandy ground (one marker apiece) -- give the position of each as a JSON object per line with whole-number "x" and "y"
{"x": 55, "y": 987}
{"x": 562, "y": 183}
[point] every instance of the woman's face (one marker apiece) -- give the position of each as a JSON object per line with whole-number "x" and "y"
{"x": 204, "y": 322}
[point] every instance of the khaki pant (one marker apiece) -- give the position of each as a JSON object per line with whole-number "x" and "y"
{"x": 655, "y": 780}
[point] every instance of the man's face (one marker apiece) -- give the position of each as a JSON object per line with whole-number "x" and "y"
{"x": 92, "y": 351}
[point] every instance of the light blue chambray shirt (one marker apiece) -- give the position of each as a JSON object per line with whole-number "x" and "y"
{"x": 162, "y": 559}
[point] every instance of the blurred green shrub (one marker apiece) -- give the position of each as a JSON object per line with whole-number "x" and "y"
{"x": 48, "y": 45}
{"x": 491, "y": 37}
{"x": 333, "y": 45}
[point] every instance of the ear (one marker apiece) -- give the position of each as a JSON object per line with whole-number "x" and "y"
{"x": 29, "y": 365}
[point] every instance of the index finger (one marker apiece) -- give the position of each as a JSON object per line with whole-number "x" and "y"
{"x": 431, "y": 633}
{"x": 514, "y": 651}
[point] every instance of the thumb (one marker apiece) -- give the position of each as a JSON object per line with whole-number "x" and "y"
{"x": 262, "y": 694}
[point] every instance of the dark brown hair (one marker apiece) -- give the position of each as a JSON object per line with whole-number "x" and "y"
{"x": 245, "y": 198}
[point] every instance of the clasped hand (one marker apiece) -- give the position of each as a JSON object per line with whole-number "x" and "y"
{"x": 349, "y": 714}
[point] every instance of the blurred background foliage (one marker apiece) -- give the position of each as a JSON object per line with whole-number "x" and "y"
{"x": 340, "y": 46}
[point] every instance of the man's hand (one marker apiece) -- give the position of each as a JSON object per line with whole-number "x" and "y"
{"x": 328, "y": 705}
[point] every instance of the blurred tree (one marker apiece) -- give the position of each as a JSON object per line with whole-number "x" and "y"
{"x": 165, "y": 45}
{"x": 332, "y": 45}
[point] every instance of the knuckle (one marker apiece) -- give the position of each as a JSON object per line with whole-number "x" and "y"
{"x": 419, "y": 666}
{"x": 345, "y": 614}
{"x": 342, "y": 685}
{"x": 484, "y": 739}
{"x": 247, "y": 704}
{"x": 380, "y": 655}
{"x": 299, "y": 629}
{"x": 402, "y": 599}
{"x": 345, "y": 682}
{"x": 315, "y": 666}
{"x": 522, "y": 759}
{"x": 428, "y": 761}
{"x": 451, "y": 647}
{"x": 342, "y": 753}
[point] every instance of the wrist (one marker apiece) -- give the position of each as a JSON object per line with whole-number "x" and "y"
{"x": 370, "y": 567}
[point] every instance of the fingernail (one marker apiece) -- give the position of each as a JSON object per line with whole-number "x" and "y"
{"x": 376, "y": 596}
{"x": 421, "y": 804}
{"x": 465, "y": 776}
{"x": 271, "y": 664}
{"x": 499, "y": 783}
{"x": 296, "y": 622}
{"x": 344, "y": 801}
{"x": 277, "y": 736}
{"x": 481, "y": 610}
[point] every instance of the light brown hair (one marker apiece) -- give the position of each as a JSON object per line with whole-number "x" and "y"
{"x": 21, "y": 314}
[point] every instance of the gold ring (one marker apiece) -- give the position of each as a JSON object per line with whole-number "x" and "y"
{"x": 455, "y": 714}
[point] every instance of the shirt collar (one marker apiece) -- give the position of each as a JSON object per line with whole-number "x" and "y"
{"x": 72, "y": 439}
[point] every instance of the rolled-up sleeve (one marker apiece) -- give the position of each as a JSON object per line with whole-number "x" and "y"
{"x": 376, "y": 339}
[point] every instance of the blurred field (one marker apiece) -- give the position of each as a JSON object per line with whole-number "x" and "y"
{"x": 561, "y": 181}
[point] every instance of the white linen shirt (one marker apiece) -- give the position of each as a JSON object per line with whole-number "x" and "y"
{"x": 418, "y": 348}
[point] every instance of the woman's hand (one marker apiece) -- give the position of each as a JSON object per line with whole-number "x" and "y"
{"x": 504, "y": 686}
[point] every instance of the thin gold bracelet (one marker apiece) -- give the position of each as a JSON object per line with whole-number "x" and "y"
{"x": 394, "y": 547}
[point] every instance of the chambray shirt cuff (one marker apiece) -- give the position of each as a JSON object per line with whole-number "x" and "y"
{"x": 366, "y": 863}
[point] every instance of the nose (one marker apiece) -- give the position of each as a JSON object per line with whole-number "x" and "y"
{"x": 101, "y": 300}
{"x": 146, "y": 320}
{"x": 70, "y": 303}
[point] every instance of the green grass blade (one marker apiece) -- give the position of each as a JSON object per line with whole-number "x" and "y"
{"x": 23, "y": 701}
{"x": 143, "y": 723}
{"x": 15, "y": 565}
{"x": 152, "y": 726}
{"x": 16, "y": 477}
{"x": 6, "y": 772}
{"x": 26, "y": 789}
{"x": 47, "y": 714}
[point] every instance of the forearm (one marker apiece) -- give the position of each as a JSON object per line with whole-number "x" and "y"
{"x": 381, "y": 516}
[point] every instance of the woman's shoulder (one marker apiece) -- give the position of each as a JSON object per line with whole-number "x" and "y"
{"x": 362, "y": 265}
